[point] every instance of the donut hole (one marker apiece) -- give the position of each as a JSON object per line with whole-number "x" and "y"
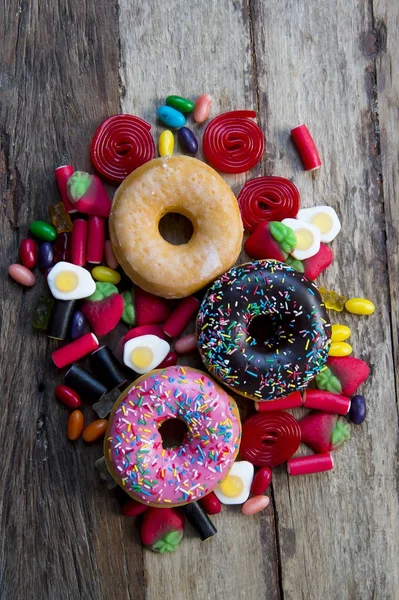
{"x": 267, "y": 331}
{"x": 176, "y": 229}
{"x": 173, "y": 433}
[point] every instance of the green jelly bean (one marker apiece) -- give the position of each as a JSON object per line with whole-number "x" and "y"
{"x": 43, "y": 231}
{"x": 181, "y": 104}
{"x": 41, "y": 315}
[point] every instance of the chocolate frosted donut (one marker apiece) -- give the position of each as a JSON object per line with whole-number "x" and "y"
{"x": 263, "y": 330}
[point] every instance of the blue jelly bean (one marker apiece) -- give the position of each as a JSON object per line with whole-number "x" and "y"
{"x": 358, "y": 410}
{"x": 77, "y": 325}
{"x": 46, "y": 255}
{"x": 188, "y": 140}
{"x": 171, "y": 117}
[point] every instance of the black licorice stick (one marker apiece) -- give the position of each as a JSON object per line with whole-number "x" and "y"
{"x": 83, "y": 382}
{"x": 60, "y": 316}
{"x": 106, "y": 367}
{"x": 198, "y": 518}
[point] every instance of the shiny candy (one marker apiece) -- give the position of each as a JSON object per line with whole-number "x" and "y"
{"x": 95, "y": 430}
{"x": 60, "y": 219}
{"x": 340, "y": 349}
{"x": 28, "y": 253}
{"x": 358, "y": 410}
{"x": 202, "y": 108}
{"x": 340, "y": 333}
{"x": 166, "y": 143}
{"x": 76, "y": 423}
{"x": 261, "y": 481}
{"x": 188, "y": 140}
{"x": 110, "y": 258}
{"x": 171, "y": 117}
{"x": 182, "y": 104}
{"x": 187, "y": 343}
{"x": 21, "y": 275}
{"x": 255, "y": 505}
{"x": 67, "y": 396}
{"x": 43, "y": 231}
{"x": 106, "y": 275}
{"x": 77, "y": 325}
{"x": 360, "y": 306}
{"x": 46, "y": 255}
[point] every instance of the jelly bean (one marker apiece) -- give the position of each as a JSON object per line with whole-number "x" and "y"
{"x": 261, "y": 481}
{"x": 186, "y": 344}
{"x": 61, "y": 247}
{"x": 43, "y": 231}
{"x": 182, "y": 104}
{"x": 95, "y": 430}
{"x": 166, "y": 143}
{"x": 46, "y": 255}
{"x": 106, "y": 275}
{"x": 340, "y": 349}
{"x": 77, "y": 325}
{"x": 42, "y": 312}
{"x": 75, "y": 425}
{"x": 168, "y": 361}
{"x": 358, "y": 410}
{"x": 255, "y": 505}
{"x": 188, "y": 140}
{"x": 59, "y": 218}
{"x": 67, "y": 396}
{"x": 28, "y": 253}
{"x": 211, "y": 504}
{"x": 340, "y": 333}
{"x": 360, "y": 306}
{"x": 202, "y": 108}
{"x": 132, "y": 508}
{"x": 21, "y": 275}
{"x": 110, "y": 257}
{"x": 171, "y": 117}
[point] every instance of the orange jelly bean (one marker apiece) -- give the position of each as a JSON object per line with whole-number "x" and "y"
{"x": 76, "y": 423}
{"x": 95, "y": 430}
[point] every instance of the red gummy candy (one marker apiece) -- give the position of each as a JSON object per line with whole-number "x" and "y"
{"x": 103, "y": 315}
{"x": 88, "y": 195}
{"x": 211, "y": 504}
{"x": 132, "y": 508}
{"x": 261, "y": 244}
{"x": 261, "y": 481}
{"x": 149, "y": 309}
{"x": 324, "y": 432}
{"x": 350, "y": 371}
{"x": 162, "y": 529}
{"x": 318, "y": 263}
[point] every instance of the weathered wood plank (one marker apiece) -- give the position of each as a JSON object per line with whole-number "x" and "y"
{"x": 61, "y": 535}
{"x": 335, "y": 530}
{"x": 189, "y": 48}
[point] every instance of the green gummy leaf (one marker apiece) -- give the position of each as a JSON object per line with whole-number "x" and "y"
{"x": 295, "y": 264}
{"x": 78, "y": 184}
{"x": 326, "y": 380}
{"x": 174, "y": 537}
{"x": 277, "y": 230}
{"x": 103, "y": 290}
{"x": 129, "y": 314}
{"x": 283, "y": 235}
{"x": 341, "y": 433}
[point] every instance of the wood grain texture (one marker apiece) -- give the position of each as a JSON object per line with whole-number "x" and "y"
{"x": 335, "y": 531}
{"x": 330, "y": 64}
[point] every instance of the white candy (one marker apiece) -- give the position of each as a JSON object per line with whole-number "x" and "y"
{"x": 144, "y": 353}
{"x": 308, "y": 238}
{"x": 324, "y": 218}
{"x": 70, "y": 282}
{"x": 236, "y": 486}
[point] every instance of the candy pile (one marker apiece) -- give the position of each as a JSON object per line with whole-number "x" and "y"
{"x": 89, "y": 299}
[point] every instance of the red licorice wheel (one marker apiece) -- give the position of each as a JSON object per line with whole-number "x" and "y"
{"x": 269, "y": 439}
{"x": 121, "y": 144}
{"x": 267, "y": 199}
{"x": 233, "y": 143}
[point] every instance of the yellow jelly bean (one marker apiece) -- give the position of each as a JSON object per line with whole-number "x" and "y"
{"x": 340, "y": 349}
{"x": 106, "y": 274}
{"x": 360, "y": 306}
{"x": 340, "y": 333}
{"x": 166, "y": 143}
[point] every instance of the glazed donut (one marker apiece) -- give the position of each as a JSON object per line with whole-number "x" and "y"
{"x": 293, "y": 352}
{"x": 174, "y": 476}
{"x": 184, "y": 185}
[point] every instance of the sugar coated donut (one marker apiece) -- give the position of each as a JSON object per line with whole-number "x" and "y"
{"x": 175, "y": 184}
{"x": 173, "y": 476}
{"x": 297, "y": 338}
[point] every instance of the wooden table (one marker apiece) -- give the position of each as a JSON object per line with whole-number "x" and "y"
{"x": 331, "y": 64}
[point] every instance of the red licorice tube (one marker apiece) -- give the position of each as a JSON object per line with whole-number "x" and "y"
{"x": 233, "y": 143}
{"x": 121, "y": 144}
{"x": 306, "y": 147}
{"x": 75, "y": 350}
{"x": 326, "y": 401}
{"x": 267, "y": 199}
{"x": 62, "y": 174}
{"x": 305, "y": 465}
{"x": 79, "y": 242}
{"x": 291, "y": 401}
{"x": 180, "y": 317}
{"x": 95, "y": 239}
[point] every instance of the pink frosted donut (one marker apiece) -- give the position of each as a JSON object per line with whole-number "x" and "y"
{"x": 172, "y": 476}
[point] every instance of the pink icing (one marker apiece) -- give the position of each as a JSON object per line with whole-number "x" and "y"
{"x": 155, "y": 475}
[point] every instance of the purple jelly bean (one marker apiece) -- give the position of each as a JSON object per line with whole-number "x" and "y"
{"x": 77, "y": 325}
{"x": 188, "y": 140}
{"x": 358, "y": 410}
{"x": 46, "y": 255}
